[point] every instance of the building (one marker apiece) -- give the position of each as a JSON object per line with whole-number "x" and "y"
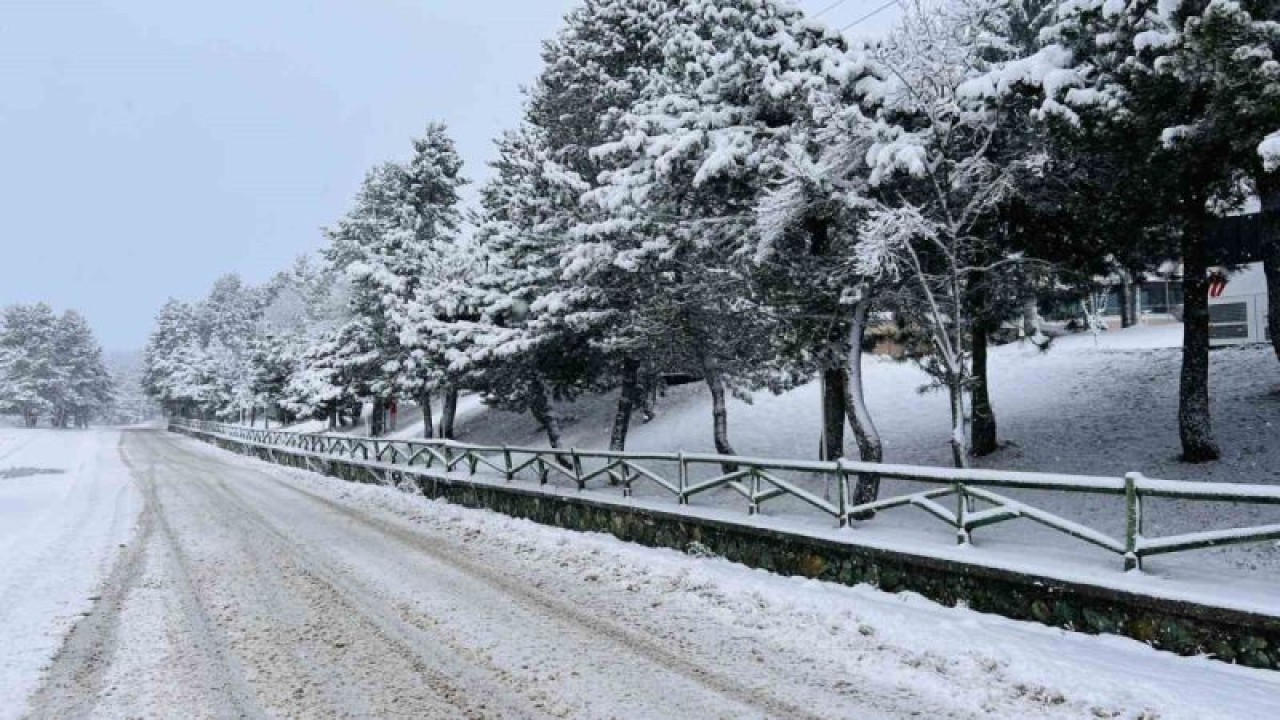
{"x": 1238, "y": 307}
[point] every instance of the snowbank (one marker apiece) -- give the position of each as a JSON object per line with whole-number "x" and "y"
{"x": 66, "y": 505}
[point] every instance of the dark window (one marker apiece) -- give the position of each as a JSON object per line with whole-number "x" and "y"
{"x": 1237, "y": 312}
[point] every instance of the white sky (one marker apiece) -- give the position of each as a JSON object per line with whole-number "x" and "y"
{"x": 148, "y": 146}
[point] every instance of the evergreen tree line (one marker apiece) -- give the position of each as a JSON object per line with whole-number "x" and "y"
{"x": 51, "y": 367}
{"x": 729, "y": 190}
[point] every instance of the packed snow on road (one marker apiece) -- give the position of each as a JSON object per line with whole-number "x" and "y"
{"x": 251, "y": 590}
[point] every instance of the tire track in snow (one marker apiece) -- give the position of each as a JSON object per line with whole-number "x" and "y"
{"x": 298, "y": 590}
{"x": 733, "y": 691}
{"x": 74, "y": 681}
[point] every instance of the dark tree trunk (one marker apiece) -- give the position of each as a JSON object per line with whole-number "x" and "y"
{"x": 833, "y": 413}
{"x": 870, "y": 448}
{"x": 448, "y": 411}
{"x": 1194, "y": 426}
{"x": 428, "y": 422}
{"x": 1271, "y": 266}
{"x": 627, "y": 395}
{"x": 253, "y": 416}
{"x": 982, "y": 429}
{"x": 1127, "y": 302}
{"x": 378, "y": 417}
{"x": 719, "y": 410}
{"x": 983, "y": 439}
{"x": 540, "y": 407}
{"x": 1269, "y": 191}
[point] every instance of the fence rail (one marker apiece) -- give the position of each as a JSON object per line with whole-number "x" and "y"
{"x": 972, "y": 502}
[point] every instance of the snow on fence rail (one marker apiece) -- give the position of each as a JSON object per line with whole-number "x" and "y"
{"x": 973, "y": 504}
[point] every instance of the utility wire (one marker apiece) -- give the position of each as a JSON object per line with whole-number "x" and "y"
{"x": 871, "y": 14}
{"x": 829, "y": 8}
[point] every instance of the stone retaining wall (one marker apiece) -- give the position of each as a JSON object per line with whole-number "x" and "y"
{"x": 1181, "y": 627}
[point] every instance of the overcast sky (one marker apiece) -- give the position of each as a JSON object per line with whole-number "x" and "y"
{"x": 149, "y": 146}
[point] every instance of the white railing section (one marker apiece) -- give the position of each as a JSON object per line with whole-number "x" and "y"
{"x": 972, "y": 500}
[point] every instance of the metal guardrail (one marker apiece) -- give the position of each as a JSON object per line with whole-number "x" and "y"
{"x": 757, "y": 480}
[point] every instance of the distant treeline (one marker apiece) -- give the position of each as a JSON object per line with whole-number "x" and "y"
{"x": 51, "y": 367}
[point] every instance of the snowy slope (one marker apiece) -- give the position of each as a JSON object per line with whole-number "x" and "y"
{"x": 66, "y": 505}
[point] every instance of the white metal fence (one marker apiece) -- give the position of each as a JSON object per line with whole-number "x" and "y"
{"x": 972, "y": 497}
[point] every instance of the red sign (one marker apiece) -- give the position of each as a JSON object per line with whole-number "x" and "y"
{"x": 1217, "y": 285}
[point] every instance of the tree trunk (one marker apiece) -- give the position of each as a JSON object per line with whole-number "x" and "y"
{"x": 428, "y": 422}
{"x": 982, "y": 430}
{"x": 719, "y": 411}
{"x": 1126, "y": 300}
{"x": 540, "y": 407}
{"x": 1030, "y": 317}
{"x": 833, "y": 413}
{"x": 449, "y": 411}
{"x": 378, "y": 417}
{"x": 1271, "y": 267}
{"x": 959, "y": 446}
{"x": 870, "y": 448}
{"x": 1269, "y": 191}
{"x": 1194, "y": 424}
{"x": 627, "y": 395}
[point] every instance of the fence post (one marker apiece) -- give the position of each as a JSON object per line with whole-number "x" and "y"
{"x": 842, "y": 493}
{"x": 754, "y": 507}
{"x": 577, "y": 468}
{"x": 1133, "y": 521}
{"x": 682, "y": 479}
{"x": 506, "y": 459}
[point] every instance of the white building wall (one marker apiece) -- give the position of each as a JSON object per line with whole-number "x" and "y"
{"x": 1239, "y": 315}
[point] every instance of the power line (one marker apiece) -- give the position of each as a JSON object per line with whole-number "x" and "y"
{"x": 829, "y": 8}
{"x": 871, "y": 14}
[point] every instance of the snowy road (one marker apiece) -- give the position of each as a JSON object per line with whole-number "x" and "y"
{"x": 255, "y": 591}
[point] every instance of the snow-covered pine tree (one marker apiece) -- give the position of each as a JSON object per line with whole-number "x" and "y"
{"x": 389, "y": 246}
{"x": 374, "y": 246}
{"x": 694, "y": 156}
{"x": 292, "y": 372}
{"x": 174, "y": 335}
{"x": 84, "y": 389}
{"x": 517, "y": 352}
{"x": 594, "y": 70}
{"x": 432, "y": 180}
{"x": 29, "y": 372}
{"x": 1193, "y": 86}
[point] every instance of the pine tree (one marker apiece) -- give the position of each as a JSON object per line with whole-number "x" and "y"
{"x": 84, "y": 388}
{"x": 1191, "y": 86}
{"x": 433, "y": 179}
{"x": 516, "y": 352}
{"x": 696, "y": 153}
{"x": 29, "y": 372}
{"x": 594, "y": 70}
{"x": 174, "y": 333}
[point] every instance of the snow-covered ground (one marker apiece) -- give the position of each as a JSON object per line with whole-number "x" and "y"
{"x": 1089, "y": 406}
{"x": 255, "y": 590}
{"x": 826, "y": 650}
{"x": 66, "y": 505}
